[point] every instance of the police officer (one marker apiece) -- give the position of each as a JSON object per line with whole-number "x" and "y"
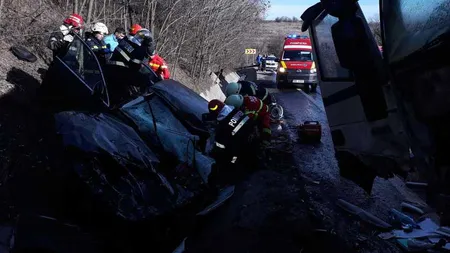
{"x": 232, "y": 134}
{"x": 247, "y": 88}
{"x": 95, "y": 42}
{"x": 124, "y": 66}
{"x": 256, "y": 110}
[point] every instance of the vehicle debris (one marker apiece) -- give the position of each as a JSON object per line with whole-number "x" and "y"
{"x": 416, "y": 185}
{"x": 310, "y": 132}
{"x": 401, "y": 219}
{"x": 364, "y": 215}
{"x": 412, "y": 208}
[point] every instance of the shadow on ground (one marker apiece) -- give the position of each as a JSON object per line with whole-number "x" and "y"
{"x": 27, "y": 153}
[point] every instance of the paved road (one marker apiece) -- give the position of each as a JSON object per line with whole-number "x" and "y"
{"x": 280, "y": 209}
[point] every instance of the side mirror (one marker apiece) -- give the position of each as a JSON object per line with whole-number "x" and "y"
{"x": 351, "y": 42}
{"x": 310, "y": 14}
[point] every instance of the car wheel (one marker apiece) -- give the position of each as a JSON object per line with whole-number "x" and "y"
{"x": 314, "y": 87}
{"x": 23, "y": 53}
{"x": 307, "y": 88}
{"x": 279, "y": 85}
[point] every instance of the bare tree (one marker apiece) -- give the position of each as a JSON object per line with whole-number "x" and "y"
{"x": 197, "y": 36}
{"x": 374, "y": 24}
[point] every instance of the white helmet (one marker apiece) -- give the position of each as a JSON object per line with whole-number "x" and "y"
{"x": 100, "y": 27}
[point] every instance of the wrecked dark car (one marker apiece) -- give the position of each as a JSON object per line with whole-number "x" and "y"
{"x": 135, "y": 161}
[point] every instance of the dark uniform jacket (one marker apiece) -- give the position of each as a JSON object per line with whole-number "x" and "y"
{"x": 99, "y": 48}
{"x": 251, "y": 89}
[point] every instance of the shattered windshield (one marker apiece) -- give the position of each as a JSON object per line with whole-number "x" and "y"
{"x": 411, "y": 24}
{"x": 297, "y": 55}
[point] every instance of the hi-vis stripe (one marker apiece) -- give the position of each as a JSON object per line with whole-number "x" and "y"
{"x": 283, "y": 64}
{"x": 123, "y": 53}
{"x": 313, "y": 65}
{"x": 239, "y": 126}
{"x": 297, "y": 46}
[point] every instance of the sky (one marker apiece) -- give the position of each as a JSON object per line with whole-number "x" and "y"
{"x": 291, "y": 8}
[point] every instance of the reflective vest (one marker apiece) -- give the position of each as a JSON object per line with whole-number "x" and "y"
{"x": 99, "y": 48}
{"x": 158, "y": 65}
{"x": 258, "y": 111}
{"x": 232, "y": 136}
{"x": 128, "y": 54}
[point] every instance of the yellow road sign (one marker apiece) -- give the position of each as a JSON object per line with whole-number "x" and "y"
{"x": 250, "y": 51}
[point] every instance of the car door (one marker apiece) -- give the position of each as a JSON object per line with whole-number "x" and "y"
{"x": 78, "y": 77}
{"x": 361, "y": 113}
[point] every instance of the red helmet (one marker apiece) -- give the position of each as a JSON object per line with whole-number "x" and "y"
{"x": 74, "y": 20}
{"x": 135, "y": 28}
{"x": 215, "y": 106}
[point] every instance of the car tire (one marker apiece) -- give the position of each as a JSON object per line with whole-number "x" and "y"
{"x": 314, "y": 87}
{"x": 279, "y": 85}
{"x": 307, "y": 88}
{"x": 23, "y": 54}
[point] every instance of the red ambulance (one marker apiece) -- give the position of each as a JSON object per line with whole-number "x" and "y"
{"x": 297, "y": 67}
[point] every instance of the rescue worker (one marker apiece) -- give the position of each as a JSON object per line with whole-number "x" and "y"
{"x": 134, "y": 29}
{"x": 256, "y": 110}
{"x": 59, "y": 40}
{"x": 94, "y": 40}
{"x": 159, "y": 65}
{"x": 124, "y": 66}
{"x": 247, "y": 88}
{"x": 232, "y": 133}
{"x": 112, "y": 40}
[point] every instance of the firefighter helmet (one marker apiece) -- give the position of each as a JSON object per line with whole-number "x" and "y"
{"x": 135, "y": 28}
{"x": 143, "y": 35}
{"x": 235, "y": 100}
{"x": 233, "y": 88}
{"x": 74, "y": 20}
{"x": 99, "y": 28}
{"x": 215, "y": 106}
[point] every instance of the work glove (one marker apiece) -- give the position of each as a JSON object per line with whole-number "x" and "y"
{"x": 59, "y": 44}
{"x": 68, "y": 38}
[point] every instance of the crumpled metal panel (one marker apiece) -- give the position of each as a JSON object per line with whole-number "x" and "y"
{"x": 186, "y": 104}
{"x": 170, "y": 133}
{"x": 116, "y": 164}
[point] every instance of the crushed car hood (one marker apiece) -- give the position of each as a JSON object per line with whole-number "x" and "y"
{"x": 116, "y": 164}
{"x": 158, "y": 124}
{"x": 185, "y": 103}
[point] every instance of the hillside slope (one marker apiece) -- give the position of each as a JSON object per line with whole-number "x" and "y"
{"x": 271, "y": 34}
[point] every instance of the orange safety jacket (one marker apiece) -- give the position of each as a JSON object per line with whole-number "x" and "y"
{"x": 158, "y": 65}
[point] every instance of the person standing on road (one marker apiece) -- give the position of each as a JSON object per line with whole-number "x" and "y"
{"x": 256, "y": 110}
{"x": 263, "y": 62}
{"x": 247, "y": 88}
{"x": 112, "y": 40}
{"x": 94, "y": 40}
{"x": 159, "y": 65}
{"x": 259, "y": 60}
{"x": 59, "y": 40}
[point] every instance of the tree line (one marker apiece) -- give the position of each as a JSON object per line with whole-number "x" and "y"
{"x": 196, "y": 35}
{"x": 286, "y": 19}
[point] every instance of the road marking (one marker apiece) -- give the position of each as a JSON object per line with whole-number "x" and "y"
{"x": 312, "y": 100}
